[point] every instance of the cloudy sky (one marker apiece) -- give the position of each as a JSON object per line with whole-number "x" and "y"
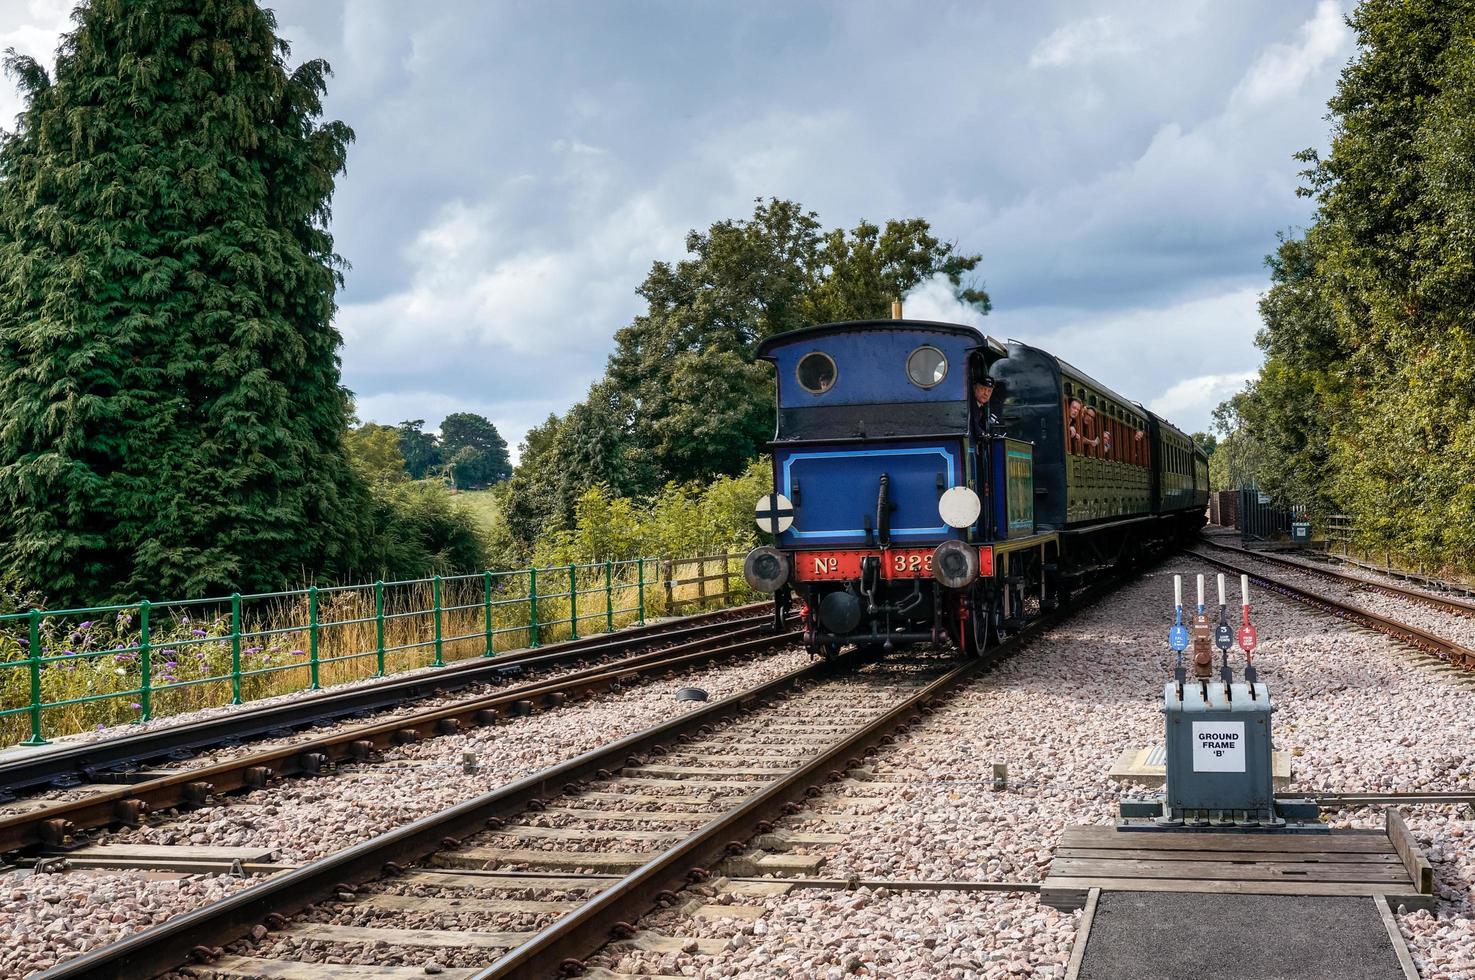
{"x": 1123, "y": 168}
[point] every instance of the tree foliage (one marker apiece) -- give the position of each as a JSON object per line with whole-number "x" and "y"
{"x": 474, "y": 451}
{"x": 419, "y": 448}
{"x": 171, "y": 418}
{"x": 678, "y": 520}
{"x": 374, "y": 452}
{"x": 469, "y": 451}
{"x": 1367, "y": 399}
{"x": 682, "y": 399}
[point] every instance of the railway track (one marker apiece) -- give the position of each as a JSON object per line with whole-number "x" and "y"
{"x": 531, "y": 879}
{"x": 61, "y": 824}
{"x": 1445, "y": 649}
{"x": 1447, "y": 603}
{"x": 66, "y": 766}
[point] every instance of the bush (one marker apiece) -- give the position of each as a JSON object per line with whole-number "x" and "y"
{"x": 681, "y": 520}
{"x": 418, "y": 531}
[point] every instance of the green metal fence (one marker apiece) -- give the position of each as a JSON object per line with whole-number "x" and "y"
{"x": 66, "y": 670}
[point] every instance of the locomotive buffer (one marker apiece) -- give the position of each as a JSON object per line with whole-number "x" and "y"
{"x": 1219, "y": 751}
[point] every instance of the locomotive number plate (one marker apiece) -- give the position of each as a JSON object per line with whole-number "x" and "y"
{"x": 896, "y": 563}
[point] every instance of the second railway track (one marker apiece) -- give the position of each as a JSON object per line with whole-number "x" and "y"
{"x": 68, "y": 764}
{"x": 61, "y": 824}
{"x": 1436, "y": 625}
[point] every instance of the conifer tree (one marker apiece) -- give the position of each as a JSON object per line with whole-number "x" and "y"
{"x": 171, "y": 413}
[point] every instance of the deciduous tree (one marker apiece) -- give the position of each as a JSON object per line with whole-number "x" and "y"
{"x": 474, "y": 450}
{"x": 682, "y": 398}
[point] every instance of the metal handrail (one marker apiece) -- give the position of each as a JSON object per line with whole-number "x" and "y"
{"x": 64, "y": 670}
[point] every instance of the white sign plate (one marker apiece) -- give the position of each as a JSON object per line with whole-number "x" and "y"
{"x": 774, "y": 510}
{"x": 1218, "y": 746}
{"x": 959, "y": 507}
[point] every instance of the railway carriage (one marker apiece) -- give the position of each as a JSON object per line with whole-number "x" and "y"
{"x": 905, "y": 509}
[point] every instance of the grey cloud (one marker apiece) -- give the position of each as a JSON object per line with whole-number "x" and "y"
{"x": 519, "y": 166}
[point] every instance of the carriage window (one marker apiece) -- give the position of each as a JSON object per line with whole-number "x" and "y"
{"x": 927, "y": 366}
{"x": 816, "y": 372}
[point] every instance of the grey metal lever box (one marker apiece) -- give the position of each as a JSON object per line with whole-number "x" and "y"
{"x": 1219, "y": 753}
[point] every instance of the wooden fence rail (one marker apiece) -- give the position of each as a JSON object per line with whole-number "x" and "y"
{"x": 704, "y": 579}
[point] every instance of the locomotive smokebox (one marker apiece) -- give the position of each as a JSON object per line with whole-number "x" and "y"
{"x": 839, "y": 612}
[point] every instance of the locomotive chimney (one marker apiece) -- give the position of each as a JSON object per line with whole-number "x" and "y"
{"x": 896, "y": 308}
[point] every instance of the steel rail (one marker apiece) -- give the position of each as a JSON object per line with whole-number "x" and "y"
{"x": 1448, "y": 604}
{"x": 561, "y": 947}
{"x": 1335, "y": 800}
{"x": 1419, "y": 639}
{"x": 97, "y": 761}
{"x": 55, "y": 825}
{"x": 564, "y": 944}
{"x": 164, "y": 947}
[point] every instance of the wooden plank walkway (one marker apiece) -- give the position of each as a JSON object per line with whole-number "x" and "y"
{"x": 1341, "y": 863}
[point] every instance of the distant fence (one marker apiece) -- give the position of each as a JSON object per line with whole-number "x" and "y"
{"x": 714, "y": 577}
{"x": 67, "y": 670}
{"x": 1259, "y": 517}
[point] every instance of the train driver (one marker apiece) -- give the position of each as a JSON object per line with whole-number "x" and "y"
{"x": 983, "y": 393}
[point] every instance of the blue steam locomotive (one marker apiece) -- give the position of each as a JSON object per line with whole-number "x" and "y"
{"x": 933, "y": 484}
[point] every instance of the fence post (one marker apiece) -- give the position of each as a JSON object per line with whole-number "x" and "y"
{"x": 435, "y": 594}
{"x": 670, "y": 570}
{"x": 486, "y": 600}
{"x": 235, "y": 648}
{"x": 609, "y": 596}
{"x": 702, "y": 581}
{"x": 312, "y": 638}
{"x": 573, "y": 603}
{"x": 641, "y": 587}
{"x": 145, "y": 664}
{"x": 379, "y": 627}
{"x": 532, "y": 607}
{"x": 35, "y": 651}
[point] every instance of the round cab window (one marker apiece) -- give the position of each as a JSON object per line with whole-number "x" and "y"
{"x": 816, "y": 372}
{"x": 927, "y": 366}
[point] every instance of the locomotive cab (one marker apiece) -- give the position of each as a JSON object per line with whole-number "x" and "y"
{"x": 890, "y": 484}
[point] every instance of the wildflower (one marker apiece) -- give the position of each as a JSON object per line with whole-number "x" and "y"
{"x": 299, "y": 653}
{"x": 69, "y": 653}
{"x": 135, "y": 705}
{"x": 100, "y": 726}
{"x": 167, "y": 653}
{"x": 85, "y": 625}
{"x": 23, "y": 641}
{"x": 198, "y": 633}
{"x": 252, "y": 651}
{"x": 120, "y": 671}
{"x": 171, "y": 664}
